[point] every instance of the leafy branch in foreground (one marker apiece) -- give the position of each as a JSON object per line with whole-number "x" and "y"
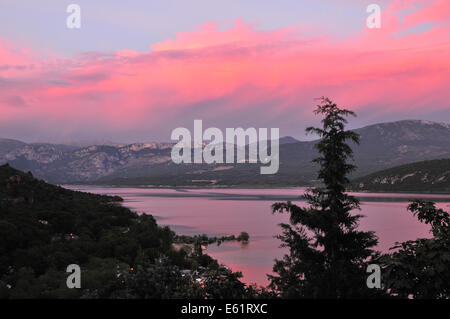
{"x": 420, "y": 268}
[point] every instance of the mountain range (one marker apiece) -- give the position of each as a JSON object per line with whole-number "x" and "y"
{"x": 382, "y": 146}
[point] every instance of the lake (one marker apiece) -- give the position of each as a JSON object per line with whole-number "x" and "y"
{"x": 218, "y": 212}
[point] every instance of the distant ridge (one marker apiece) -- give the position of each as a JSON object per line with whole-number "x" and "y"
{"x": 288, "y": 140}
{"x": 383, "y": 146}
{"x": 425, "y": 176}
{"x": 8, "y": 145}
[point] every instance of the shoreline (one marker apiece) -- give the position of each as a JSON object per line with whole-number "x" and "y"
{"x": 257, "y": 194}
{"x": 246, "y": 187}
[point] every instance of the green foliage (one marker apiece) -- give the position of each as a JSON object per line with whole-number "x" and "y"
{"x": 199, "y": 240}
{"x": 164, "y": 280}
{"x": 44, "y": 228}
{"x": 420, "y": 268}
{"x": 327, "y": 254}
{"x": 243, "y": 237}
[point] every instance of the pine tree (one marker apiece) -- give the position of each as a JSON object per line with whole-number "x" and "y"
{"x": 327, "y": 254}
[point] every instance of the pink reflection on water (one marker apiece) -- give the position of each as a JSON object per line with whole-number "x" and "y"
{"x": 230, "y": 211}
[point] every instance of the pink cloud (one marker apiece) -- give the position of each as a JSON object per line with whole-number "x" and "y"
{"x": 375, "y": 70}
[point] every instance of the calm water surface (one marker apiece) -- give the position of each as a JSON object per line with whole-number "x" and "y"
{"x": 218, "y": 212}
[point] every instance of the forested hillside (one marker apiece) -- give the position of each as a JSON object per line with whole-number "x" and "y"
{"x": 44, "y": 228}
{"x": 426, "y": 176}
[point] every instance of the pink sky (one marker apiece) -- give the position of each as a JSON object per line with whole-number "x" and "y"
{"x": 240, "y": 76}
